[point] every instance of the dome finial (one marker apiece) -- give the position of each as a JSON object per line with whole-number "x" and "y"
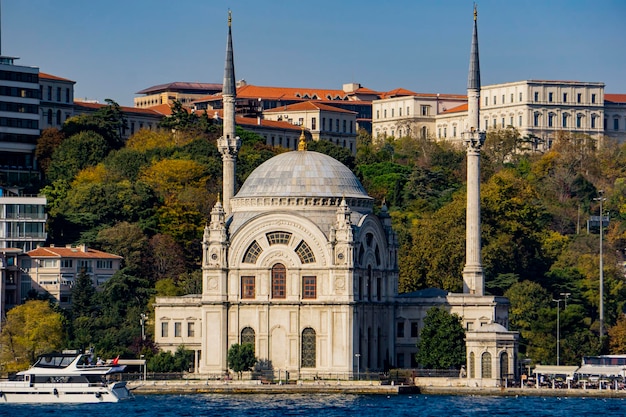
{"x": 302, "y": 143}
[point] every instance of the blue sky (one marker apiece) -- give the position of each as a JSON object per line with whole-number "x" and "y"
{"x": 114, "y": 48}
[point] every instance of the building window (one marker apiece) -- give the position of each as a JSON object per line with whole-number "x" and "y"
{"x": 579, "y": 98}
{"x": 550, "y": 95}
{"x": 248, "y": 336}
{"x": 536, "y": 119}
{"x": 309, "y": 287}
{"x": 400, "y": 329}
{"x": 564, "y": 97}
{"x": 615, "y": 124}
{"x": 164, "y": 329}
{"x": 494, "y": 100}
{"x": 278, "y": 238}
{"x": 49, "y": 263}
{"x": 351, "y": 123}
{"x": 324, "y": 121}
{"x": 305, "y": 253}
{"x": 279, "y": 281}
{"x": 313, "y": 123}
{"x": 247, "y": 287}
{"x": 520, "y": 97}
{"x": 550, "y": 120}
{"x": 454, "y": 131}
{"x": 445, "y": 132}
{"x": 102, "y": 264}
{"x": 503, "y": 99}
{"x": 49, "y": 93}
{"x": 593, "y": 122}
{"x": 400, "y": 111}
{"x": 578, "y": 120}
{"x": 414, "y": 329}
{"x": 520, "y": 121}
{"x": 486, "y": 101}
{"x": 485, "y": 365}
{"x": 67, "y": 95}
{"x": 504, "y": 365}
{"x": 385, "y": 113}
{"x": 253, "y": 252}
{"x": 392, "y": 111}
{"x": 593, "y": 98}
{"x": 495, "y": 123}
{"x": 503, "y": 123}
{"x": 511, "y": 97}
{"x": 511, "y": 121}
{"x": 177, "y": 329}
{"x": 59, "y": 94}
{"x": 472, "y": 365}
{"x": 337, "y": 125}
{"x": 191, "y": 329}
{"x": 67, "y": 263}
{"x": 344, "y": 126}
{"x": 308, "y": 348}
{"x": 49, "y": 116}
{"x": 58, "y": 118}
{"x": 425, "y": 110}
{"x": 378, "y": 114}
{"x": 536, "y": 96}
{"x": 564, "y": 119}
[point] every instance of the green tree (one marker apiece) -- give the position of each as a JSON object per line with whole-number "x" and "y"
{"x": 442, "y": 341}
{"x": 241, "y": 358}
{"x": 47, "y": 143}
{"x": 30, "y": 329}
{"x": 75, "y": 153}
{"x": 108, "y": 121}
{"x": 83, "y": 295}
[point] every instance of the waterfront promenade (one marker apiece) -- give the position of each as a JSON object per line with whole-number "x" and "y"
{"x": 353, "y": 387}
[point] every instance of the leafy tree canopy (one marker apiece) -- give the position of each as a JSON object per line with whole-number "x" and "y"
{"x": 442, "y": 341}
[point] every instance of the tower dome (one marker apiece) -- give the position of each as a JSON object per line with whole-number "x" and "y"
{"x": 302, "y": 174}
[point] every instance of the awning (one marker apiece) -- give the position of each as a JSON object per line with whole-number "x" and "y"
{"x": 555, "y": 370}
{"x": 602, "y": 370}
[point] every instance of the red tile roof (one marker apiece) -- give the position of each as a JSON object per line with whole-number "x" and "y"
{"x": 457, "y": 109}
{"x": 252, "y": 121}
{"x": 308, "y": 105}
{"x": 46, "y": 76}
{"x": 615, "y": 98}
{"x": 164, "y": 109}
{"x": 96, "y": 106}
{"x": 77, "y": 252}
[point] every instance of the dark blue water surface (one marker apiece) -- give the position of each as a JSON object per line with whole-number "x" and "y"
{"x": 215, "y": 405}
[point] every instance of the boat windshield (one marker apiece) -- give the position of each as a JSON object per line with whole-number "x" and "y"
{"x": 54, "y": 361}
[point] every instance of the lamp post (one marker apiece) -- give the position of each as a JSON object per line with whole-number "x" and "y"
{"x": 601, "y": 199}
{"x": 558, "y": 331}
{"x": 358, "y": 366}
{"x": 142, "y": 321}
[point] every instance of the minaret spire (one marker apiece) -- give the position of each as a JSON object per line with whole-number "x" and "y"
{"x": 229, "y": 143}
{"x": 473, "y": 276}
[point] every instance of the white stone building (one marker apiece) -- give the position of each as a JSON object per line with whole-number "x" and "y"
{"x": 298, "y": 264}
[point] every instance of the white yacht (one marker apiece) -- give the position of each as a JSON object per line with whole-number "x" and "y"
{"x": 66, "y": 378}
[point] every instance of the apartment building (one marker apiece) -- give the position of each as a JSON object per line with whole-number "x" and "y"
{"x": 57, "y": 100}
{"x": 19, "y": 121}
{"x": 54, "y": 270}
{"x": 541, "y": 108}
{"x": 324, "y": 122}
{"x": 22, "y": 220}
{"x": 184, "y": 92}
{"x": 405, "y": 113}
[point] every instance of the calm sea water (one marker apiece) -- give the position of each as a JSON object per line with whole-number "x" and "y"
{"x": 327, "y": 406}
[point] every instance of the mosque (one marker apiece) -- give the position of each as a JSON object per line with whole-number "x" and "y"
{"x": 298, "y": 264}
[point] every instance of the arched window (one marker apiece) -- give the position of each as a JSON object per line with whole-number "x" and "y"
{"x": 472, "y": 365}
{"x": 504, "y": 365}
{"x": 485, "y": 365}
{"x": 279, "y": 281}
{"x": 305, "y": 253}
{"x": 253, "y": 252}
{"x": 308, "y": 348}
{"x": 247, "y": 335}
{"x": 58, "y": 117}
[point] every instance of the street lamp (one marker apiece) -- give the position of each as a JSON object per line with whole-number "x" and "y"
{"x": 358, "y": 366}
{"x": 558, "y": 330}
{"x": 142, "y": 321}
{"x": 601, "y": 199}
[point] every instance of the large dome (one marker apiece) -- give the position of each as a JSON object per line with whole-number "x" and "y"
{"x": 302, "y": 174}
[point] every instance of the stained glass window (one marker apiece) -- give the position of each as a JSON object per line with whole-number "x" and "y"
{"x": 253, "y": 252}
{"x": 308, "y": 348}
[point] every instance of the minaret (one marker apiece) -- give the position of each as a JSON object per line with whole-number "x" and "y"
{"x": 473, "y": 277}
{"x": 229, "y": 143}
